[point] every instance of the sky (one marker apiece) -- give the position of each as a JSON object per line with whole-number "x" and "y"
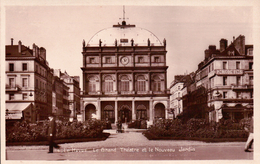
{"x": 188, "y": 30}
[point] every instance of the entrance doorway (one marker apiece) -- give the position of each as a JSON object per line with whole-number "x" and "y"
{"x": 159, "y": 111}
{"x": 90, "y": 110}
{"x": 125, "y": 114}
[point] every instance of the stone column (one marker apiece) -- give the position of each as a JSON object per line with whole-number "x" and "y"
{"x": 151, "y": 110}
{"x": 98, "y": 109}
{"x": 116, "y": 111}
{"x": 133, "y": 110}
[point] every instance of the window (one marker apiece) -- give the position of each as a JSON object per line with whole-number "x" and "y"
{"x": 91, "y": 60}
{"x": 251, "y": 80}
{"x": 108, "y": 84}
{"x": 124, "y": 85}
{"x": 156, "y": 59}
{"x": 224, "y": 80}
{"x": 140, "y": 59}
{"x": 24, "y": 66}
{"x": 157, "y": 84}
{"x": 36, "y": 83}
{"x": 224, "y": 65}
{"x": 92, "y": 84}
{"x": 25, "y": 82}
{"x": 11, "y": 96}
{"x": 25, "y": 97}
{"x": 11, "y": 82}
{"x": 11, "y": 67}
{"x": 237, "y": 65}
{"x": 224, "y": 95}
{"x": 251, "y": 95}
{"x": 108, "y": 60}
{"x": 36, "y": 69}
{"x": 250, "y": 65}
{"x": 141, "y": 83}
{"x": 239, "y": 95}
{"x": 212, "y": 82}
{"x": 238, "y": 80}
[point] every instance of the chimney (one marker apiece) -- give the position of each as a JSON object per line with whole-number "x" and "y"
{"x": 34, "y": 50}
{"x": 212, "y": 47}
{"x": 12, "y": 41}
{"x": 222, "y": 45}
{"x": 206, "y": 54}
{"x": 19, "y": 47}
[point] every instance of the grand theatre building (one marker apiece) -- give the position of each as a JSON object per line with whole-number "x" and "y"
{"x": 124, "y": 75}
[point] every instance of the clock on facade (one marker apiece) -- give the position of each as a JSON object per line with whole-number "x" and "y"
{"x": 124, "y": 60}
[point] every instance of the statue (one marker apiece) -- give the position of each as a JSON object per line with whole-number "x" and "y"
{"x": 100, "y": 42}
{"x": 115, "y": 42}
{"x": 132, "y": 42}
{"x": 83, "y": 43}
{"x": 148, "y": 42}
{"x": 164, "y": 42}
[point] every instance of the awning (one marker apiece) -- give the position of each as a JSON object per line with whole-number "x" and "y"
{"x": 14, "y": 110}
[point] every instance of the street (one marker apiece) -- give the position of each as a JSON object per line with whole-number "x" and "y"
{"x": 133, "y": 146}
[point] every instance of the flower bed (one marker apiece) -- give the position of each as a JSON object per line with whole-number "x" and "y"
{"x": 197, "y": 128}
{"x": 25, "y": 132}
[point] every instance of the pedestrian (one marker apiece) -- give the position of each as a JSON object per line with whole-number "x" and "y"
{"x": 119, "y": 126}
{"x": 250, "y": 138}
{"x": 51, "y": 130}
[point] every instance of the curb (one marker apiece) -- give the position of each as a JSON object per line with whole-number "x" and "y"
{"x": 151, "y": 136}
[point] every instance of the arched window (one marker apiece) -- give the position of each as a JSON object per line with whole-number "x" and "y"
{"x": 141, "y": 83}
{"x": 108, "y": 84}
{"x": 124, "y": 83}
{"x": 157, "y": 84}
{"x": 92, "y": 84}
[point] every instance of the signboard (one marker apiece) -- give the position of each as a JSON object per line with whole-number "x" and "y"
{"x": 229, "y": 72}
{"x": 13, "y": 114}
{"x": 124, "y": 40}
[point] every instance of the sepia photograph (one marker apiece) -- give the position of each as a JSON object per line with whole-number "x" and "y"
{"x": 127, "y": 82}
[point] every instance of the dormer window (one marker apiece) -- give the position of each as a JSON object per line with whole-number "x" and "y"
{"x": 24, "y": 66}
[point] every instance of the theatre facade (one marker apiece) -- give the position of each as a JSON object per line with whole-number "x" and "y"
{"x": 124, "y": 75}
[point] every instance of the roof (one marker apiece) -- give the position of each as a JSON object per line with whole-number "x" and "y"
{"x": 122, "y": 35}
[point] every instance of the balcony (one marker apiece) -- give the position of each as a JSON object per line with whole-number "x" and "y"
{"x": 127, "y": 92}
{"x": 9, "y": 88}
{"x": 242, "y": 87}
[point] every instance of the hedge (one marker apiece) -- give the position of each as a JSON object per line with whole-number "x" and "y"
{"x": 26, "y": 132}
{"x": 199, "y": 128}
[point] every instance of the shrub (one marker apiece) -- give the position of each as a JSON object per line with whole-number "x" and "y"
{"x": 198, "y": 128}
{"x": 25, "y": 132}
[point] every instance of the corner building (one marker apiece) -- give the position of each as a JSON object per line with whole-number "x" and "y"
{"x": 124, "y": 75}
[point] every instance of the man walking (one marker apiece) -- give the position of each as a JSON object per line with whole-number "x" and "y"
{"x": 51, "y": 134}
{"x": 250, "y": 139}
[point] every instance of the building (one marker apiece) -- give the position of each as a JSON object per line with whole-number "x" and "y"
{"x": 33, "y": 89}
{"x": 227, "y": 75}
{"x": 26, "y": 83}
{"x": 178, "y": 89}
{"x": 73, "y": 94}
{"x": 124, "y": 75}
{"x": 60, "y": 96}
